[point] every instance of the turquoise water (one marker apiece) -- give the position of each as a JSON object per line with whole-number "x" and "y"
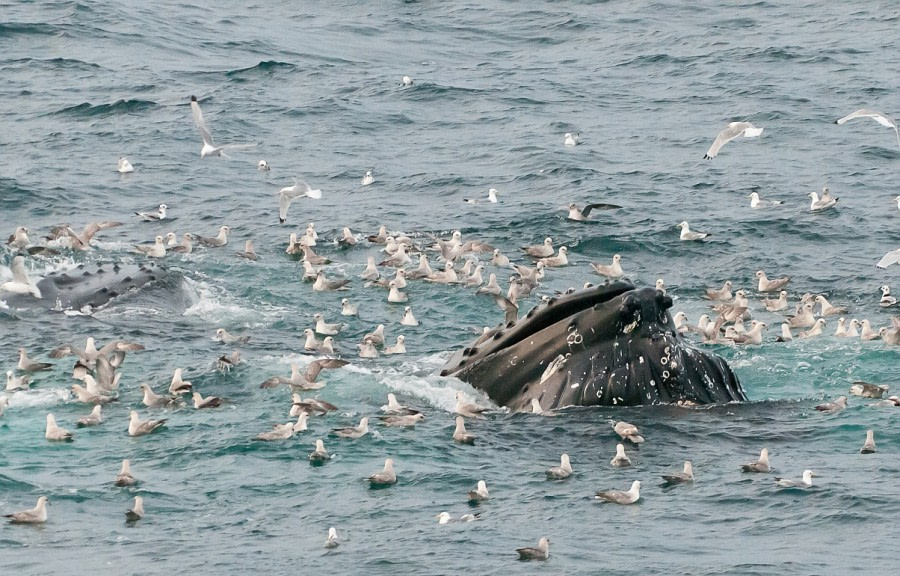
{"x": 497, "y": 84}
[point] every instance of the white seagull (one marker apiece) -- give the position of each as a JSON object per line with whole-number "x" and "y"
{"x": 209, "y": 149}
{"x": 876, "y": 116}
{"x": 288, "y": 193}
{"x": 732, "y": 131}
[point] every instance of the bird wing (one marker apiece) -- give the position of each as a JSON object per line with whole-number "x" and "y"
{"x": 200, "y": 122}
{"x": 725, "y": 136}
{"x": 866, "y": 113}
{"x": 891, "y": 257}
{"x": 586, "y": 211}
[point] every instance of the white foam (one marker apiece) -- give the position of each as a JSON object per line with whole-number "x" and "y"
{"x": 35, "y": 398}
{"x": 437, "y": 391}
{"x": 215, "y": 305}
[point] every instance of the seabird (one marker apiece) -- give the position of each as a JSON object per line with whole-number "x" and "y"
{"x": 806, "y": 482}
{"x": 54, "y": 433}
{"x": 36, "y": 515}
{"x": 583, "y": 214}
{"x": 621, "y": 460}
{"x": 732, "y": 131}
{"x": 384, "y": 478}
{"x": 876, "y": 116}
{"x": 869, "y": 446}
{"x": 479, "y": 494}
{"x": 137, "y": 511}
{"x": 561, "y": 472}
{"x": 686, "y": 233}
{"x": 92, "y": 419}
{"x": 124, "y": 477}
{"x": 160, "y": 214}
{"x": 686, "y": 476}
{"x": 761, "y": 465}
{"x": 628, "y": 431}
{"x": 138, "y": 427}
{"x": 621, "y": 497}
{"x": 542, "y": 552}
{"x": 460, "y": 434}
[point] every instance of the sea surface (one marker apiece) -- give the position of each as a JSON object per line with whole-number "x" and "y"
{"x": 317, "y": 87}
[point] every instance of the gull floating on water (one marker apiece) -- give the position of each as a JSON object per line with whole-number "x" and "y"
{"x": 806, "y": 482}
{"x": 263, "y": 166}
{"x": 491, "y": 198}
{"x": 542, "y": 552}
{"x": 467, "y": 409}
{"x": 540, "y": 250}
{"x": 621, "y": 497}
{"x": 837, "y": 405}
{"x": 866, "y": 390}
{"x": 20, "y": 283}
{"x": 137, "y": 510}
{"x": 217, "y": 241}
{"x": 683, "y": 477}
{"x": 732, "y": 131}
{"x": 92, "y": 419}
{"x": 687, "y": 234}
{"x": 125, "y": 477}
{"x": 384, "y": 478}
{"x": 885, "y": 301}
{"x": 225, "y": 337}
{"x": 628, "y": 432}
{"x": 332, "y": 540}
{"x": 160, "y": 214}
{"x": 353, "y": 432}
{"x": 584, "y": 214}
{"x": 445, "y": 518}
{"x": 621, "y": 460}
{"x": 287, "y": 194}
{"x": 209, "y": 402}
{"x": 368, "y": 178}
{"x": 209, "y": 148}
{"x": 479, "y": 494}
{"x": 406, "y": 81}
{"x": 319, "y": 455}
{"x": 572, "y": 139}
{"x": 818, "y": 204}
{"x": 613, "y": 270}
{"x": 773, "y": 285}
{"x": 54, "y": 433}
{"x": 348, "y": 309}
{"x": 124, "y": 166}
{"x": 761, "y": 465}
{"x": 876, "y": 116}
{"x": 14, "y": 382}
{"x": 36, "y": 515}
{"x": 138, "y": 427}
{"x": 460, "y": 434}
{"x": 756, "y": 202}
{"x": 869, "y": 445}
{"x": 561, "y": 472}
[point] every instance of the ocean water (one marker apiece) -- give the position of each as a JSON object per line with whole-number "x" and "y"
{"x": 497, "y": 84}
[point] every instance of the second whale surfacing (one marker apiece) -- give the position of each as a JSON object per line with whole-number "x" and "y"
{"x": 613, "y": 345}
{"x": 92, "y": 285}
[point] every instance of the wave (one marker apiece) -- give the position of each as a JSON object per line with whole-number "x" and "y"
{"x": 88, "y": 110}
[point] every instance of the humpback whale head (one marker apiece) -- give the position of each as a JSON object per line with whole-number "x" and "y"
{"x": 606, "y": 345}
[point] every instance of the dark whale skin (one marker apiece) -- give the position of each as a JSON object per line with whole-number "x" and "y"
{"x": 91, "y": 285}
{"x": 613, "y": 345}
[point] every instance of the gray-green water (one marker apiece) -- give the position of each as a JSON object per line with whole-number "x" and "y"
{"x": 497, "y": 84}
